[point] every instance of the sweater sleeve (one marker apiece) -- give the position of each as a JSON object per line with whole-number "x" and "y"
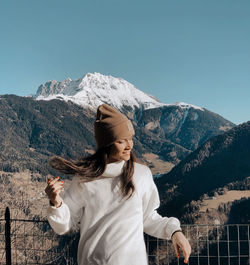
{"x": 154, "y": 224}
{"x": 67, "y": 216}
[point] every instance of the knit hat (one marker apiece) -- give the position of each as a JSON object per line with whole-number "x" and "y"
{"x": 111, "y": 125}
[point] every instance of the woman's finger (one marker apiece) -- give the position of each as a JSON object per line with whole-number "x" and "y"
{"x": 58, "y": 190}
{"x": 49, "y": 180}
{"x": 177, "y": 250}
{"x": 51, "y": 189}
{"x": 56, "y": 185}
{"x": 55, "y": 194}
{"x": 186, "y": 252}
{"x": 53, "y": 181}
{"x": 180, "y": 242}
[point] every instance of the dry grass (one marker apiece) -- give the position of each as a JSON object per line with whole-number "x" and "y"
{"x": 25, "y": 197}
{"x": 157, "y": 165}
{"x": 225, "y": 128}
{"x": 230, "y": 196}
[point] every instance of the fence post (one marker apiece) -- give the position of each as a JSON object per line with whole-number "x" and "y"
{"x": 7, "y": 236}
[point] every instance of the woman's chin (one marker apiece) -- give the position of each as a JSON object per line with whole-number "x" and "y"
{"x": 126, "y": 157}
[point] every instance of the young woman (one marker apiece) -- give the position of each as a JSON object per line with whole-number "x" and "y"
{"x": 112, "y": 198}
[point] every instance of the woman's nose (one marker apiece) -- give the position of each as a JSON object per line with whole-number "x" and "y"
{"x": 129, "y": 144}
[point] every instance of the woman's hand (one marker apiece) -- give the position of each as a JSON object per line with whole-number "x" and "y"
{"x": 180, "y": 242}
{"x": 53, "y": 190}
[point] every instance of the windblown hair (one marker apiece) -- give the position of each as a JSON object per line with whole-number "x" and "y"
{"x": 92, "y": 167}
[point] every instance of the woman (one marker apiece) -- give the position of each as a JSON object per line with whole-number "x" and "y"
{"x": 112, "y": 198}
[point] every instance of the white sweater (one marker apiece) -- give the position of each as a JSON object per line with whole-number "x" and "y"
{"x": 111, "y": 227}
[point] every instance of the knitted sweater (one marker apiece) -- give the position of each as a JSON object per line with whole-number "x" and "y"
{"x": 111, "y": 227}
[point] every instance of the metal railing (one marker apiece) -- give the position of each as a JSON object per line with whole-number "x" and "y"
{"x": 211, "y": 245}
{"x": 24, "y": 241}
{"x": 28, "y": 242}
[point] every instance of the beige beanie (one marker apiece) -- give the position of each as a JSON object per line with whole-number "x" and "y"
{"x": 111, "y": 125}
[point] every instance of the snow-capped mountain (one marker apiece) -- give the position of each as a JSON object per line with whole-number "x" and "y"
{"x": 95, "y": 89}
{"x": 183, "y": 124}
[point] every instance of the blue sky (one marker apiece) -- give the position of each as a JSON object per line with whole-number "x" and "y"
{"x": 195, "y": 51}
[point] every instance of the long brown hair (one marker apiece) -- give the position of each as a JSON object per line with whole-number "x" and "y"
{"x": 92, "y": 167}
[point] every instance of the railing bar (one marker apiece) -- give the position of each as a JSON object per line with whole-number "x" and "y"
{"x": 228, "y": 245}
{"x": 29, "y": 220}
{"x": 15, "y": 240}
{"x": 208, "y": 260}
{"x": 248, "y": 244}
{"x": 238, "y": 235}
{"x": 24, "y": 240}
{"x": 202, "y": 241}
{"x": 218, "y": 246}
{"x": 33, "y": 235}
{"x": 43, "y": 246}
{"x": 7, "y": 233}
{"x": 197, "y": 241}
{"x": 177, "y": 259}
{"x": 45, "y": 221}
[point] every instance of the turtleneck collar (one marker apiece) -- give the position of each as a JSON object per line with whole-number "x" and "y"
{"x": 113, "y": 169}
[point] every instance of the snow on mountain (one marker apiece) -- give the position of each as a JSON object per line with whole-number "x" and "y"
{"x": 186, "y": 106}
{"x": 95, "y": 89}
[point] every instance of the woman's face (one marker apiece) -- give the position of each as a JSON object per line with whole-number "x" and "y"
{"x": 120, "y": 150}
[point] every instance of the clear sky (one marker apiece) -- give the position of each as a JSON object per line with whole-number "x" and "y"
{"x": 195, "y": 51}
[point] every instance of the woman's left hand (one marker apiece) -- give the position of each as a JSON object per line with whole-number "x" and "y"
{"x": 181, "y": 242}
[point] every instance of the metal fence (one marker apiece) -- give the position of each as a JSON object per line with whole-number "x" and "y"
{"x": 211, "y": 245}
{"x": 28, "y": 242}
{"x": 24, "y": 241}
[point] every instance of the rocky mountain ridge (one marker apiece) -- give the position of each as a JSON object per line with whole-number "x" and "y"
{"x": 94, "y": 89}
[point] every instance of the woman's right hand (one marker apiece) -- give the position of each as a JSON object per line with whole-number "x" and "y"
{"x": 53, "y": 190}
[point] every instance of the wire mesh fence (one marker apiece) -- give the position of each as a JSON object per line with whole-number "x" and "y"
{"x": 211, "y": 245}
{"x": 34, "y": 242}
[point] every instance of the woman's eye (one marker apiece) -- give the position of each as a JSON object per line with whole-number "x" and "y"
{"x": 121, "y": 141}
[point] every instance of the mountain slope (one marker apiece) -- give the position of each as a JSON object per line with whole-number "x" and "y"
{"x": 33, "y": 130}
{"x": 220, "y": 161}
{"x": 185, "y": 125}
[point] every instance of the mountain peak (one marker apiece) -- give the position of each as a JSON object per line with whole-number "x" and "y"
{"x": 94, "y": 89}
